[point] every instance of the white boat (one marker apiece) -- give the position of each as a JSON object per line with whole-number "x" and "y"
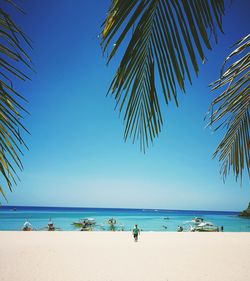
{"x": 205, "y": 227}
{"x": 51, "y": 226}
{"x": 27, "y": 226}
{"x": 197, "y": 220}
{"x": 90, "y": 221}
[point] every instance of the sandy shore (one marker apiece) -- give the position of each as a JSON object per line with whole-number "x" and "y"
{"x": 105, "y": 256}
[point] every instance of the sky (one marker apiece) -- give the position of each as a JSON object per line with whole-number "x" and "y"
{"x": 77, "y": 155}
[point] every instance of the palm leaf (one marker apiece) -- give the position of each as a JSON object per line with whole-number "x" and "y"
{"x": 231, "y": 110}
{"x": 164, "y": 40}
{"x": 12, "y": 56}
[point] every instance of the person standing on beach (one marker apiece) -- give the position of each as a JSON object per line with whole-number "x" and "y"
{"x": 136, "y": 232}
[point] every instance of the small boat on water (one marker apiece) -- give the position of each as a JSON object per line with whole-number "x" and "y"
{"x": 197, "y": 220}
{"x": 205, "y": 227}
{"x": 112, "y": 224}
{"x": 85, "y": 223}
{"x": 51, "y": 226}
{"x": 27, "y": 226}
{"x": 90, "y": 221}
{"x": 111, "y": 221}
{"x": 85, "y": 228}
{"x": 180, "y": 229}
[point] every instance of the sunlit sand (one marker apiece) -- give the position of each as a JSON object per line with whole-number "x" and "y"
{"x": 114, "y": 256}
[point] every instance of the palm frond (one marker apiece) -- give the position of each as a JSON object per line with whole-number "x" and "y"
{"x": 12, "y": 55}
{"x": 231, "y": 110}
{"x": 164, "y": 40}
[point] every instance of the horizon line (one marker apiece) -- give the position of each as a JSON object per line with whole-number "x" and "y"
{"x": 120, "y": 208}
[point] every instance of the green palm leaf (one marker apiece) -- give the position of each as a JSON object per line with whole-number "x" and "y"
{"x": 231, "y": 109}
{"x": 164, "y": 40}
{"x": 12, "y": 55}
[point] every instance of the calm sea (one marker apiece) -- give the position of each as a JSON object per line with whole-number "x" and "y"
{"x": 13, "y": 217}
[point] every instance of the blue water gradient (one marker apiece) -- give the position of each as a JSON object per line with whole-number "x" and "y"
{"x": 13, "y": 217}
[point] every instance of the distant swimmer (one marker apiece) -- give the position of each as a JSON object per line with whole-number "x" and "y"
{"x": 164, "y": 226}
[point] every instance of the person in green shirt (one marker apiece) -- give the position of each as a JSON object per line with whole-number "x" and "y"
{"x": 136, "y": 232}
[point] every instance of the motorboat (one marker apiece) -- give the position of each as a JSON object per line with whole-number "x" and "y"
{"x": 112, "y": 224}
{"x": 180, "y": 229}
{"x": 51, "y": 226}
{"x": 197, "y": 220}
{"x": 205, "y": 227}
{"x": 85, "y": 228}
{"x": 90, "y": 221}
{"x": 27, "y": 226}
{"x": 87, "y": 222}
{"x": 111, "y": 221}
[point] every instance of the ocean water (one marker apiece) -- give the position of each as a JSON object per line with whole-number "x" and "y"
{"x": 12, "y": 218}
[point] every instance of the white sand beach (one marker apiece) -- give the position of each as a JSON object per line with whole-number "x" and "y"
{"x": 107, "y": 256}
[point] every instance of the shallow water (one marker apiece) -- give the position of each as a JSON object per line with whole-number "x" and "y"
{"x": 147, "y": 219}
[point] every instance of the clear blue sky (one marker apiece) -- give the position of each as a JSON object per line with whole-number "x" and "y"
{"x": 77, "y": 154}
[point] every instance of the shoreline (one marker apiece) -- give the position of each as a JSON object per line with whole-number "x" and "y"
{"x": 114, "y": 256}
{"x": 125, "y": 231}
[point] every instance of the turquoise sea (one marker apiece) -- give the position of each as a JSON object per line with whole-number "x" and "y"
{"x": 13, "y": 217}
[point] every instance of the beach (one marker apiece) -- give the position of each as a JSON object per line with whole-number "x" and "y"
{"x": 114, "y": 256}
